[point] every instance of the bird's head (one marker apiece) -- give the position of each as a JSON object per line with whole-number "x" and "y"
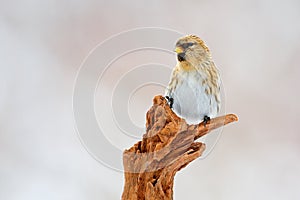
{"x": 192, "y": 49}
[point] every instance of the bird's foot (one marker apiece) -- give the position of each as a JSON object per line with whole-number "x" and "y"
{"x": 206, "y": 119}
{"x": 170, "y": 101}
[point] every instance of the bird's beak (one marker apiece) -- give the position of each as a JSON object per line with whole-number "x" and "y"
{"x": 178, "y": 50}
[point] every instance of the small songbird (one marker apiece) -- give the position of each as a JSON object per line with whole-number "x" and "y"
{"x": 194, "y": 88}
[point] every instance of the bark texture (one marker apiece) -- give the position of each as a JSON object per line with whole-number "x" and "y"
{"x": 167, "y": 146}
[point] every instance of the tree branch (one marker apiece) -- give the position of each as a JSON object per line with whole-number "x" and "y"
{"x": 167, "y": 146}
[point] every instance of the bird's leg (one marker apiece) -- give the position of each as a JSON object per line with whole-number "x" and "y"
{"x": 170, "y": 101}
{"x": 206, "y": 119}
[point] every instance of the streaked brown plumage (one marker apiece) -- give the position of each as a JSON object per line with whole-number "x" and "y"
{"x": 194, "y": 88}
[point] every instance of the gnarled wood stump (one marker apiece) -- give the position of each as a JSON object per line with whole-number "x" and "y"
{"x": 167, "y": 146}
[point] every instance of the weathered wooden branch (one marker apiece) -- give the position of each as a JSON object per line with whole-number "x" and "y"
{"x": 167, "y": 146}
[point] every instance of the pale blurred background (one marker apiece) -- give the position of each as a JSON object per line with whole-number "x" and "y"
{"x": 255, "y": 45}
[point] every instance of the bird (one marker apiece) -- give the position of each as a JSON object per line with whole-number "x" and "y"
{"x": 193, "y": 91}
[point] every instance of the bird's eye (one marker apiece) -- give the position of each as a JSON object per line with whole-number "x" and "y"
{"x": 186, "y": 45}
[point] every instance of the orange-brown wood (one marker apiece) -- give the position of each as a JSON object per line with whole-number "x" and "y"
{"x": 167, "y": 146}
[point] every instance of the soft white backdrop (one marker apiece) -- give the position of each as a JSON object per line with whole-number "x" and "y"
{"x": 255, "y": 44}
